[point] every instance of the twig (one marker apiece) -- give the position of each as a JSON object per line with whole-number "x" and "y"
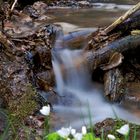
{"x": 13, "y": 6}
{"x": 122, "y": 18}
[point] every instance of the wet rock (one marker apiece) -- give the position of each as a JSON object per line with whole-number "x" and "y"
{"x": 41, "y": 7}
{"x": 49, "y": 97}
{"x": 18, "y": 24}
{"x": 53, "y": 98}
{"x": 13, "y": 74}
{"x": 71, "y": 4}
{"x": 109, "y": 126}
{"x": 45, "y": 80}
{"x": 14, "y": 85}
{"x": 29, "y": 10}
{"x": 30, "y": 64}
{"x": 84, "y": 4}
{"x": 42, "y": 57}
{"x": 106, "y": 126}
{"x": 36, "y": 11}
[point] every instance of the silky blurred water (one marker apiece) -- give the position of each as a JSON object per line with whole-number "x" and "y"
{"x": 101, "y": 15}
{"x": 73, "y": 81}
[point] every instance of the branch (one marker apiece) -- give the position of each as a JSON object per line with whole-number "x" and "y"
{"x": 13, "y": 6}
{"x": 122, "y": 18}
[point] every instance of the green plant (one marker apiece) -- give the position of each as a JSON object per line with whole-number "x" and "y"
{"x": 120, "y": 131}
{"x": 3, "y": 136}
{"x": 135, "y": 134}
{"x": 24, "y": 105}
{"x": 53, "y": 136}
{"x": 89, "y": 136}
{"x": 46, "y": 125}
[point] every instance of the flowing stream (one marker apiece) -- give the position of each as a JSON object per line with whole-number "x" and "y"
{"x": 83, "y": 99}
{"x": 86, "y": 97}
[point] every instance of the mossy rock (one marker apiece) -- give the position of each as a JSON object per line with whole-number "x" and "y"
{"x": 109, "y": 126}
{"x": 25, "y": 105}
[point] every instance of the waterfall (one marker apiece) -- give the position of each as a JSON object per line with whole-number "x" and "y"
{"x": 72, "y": 78}
{"x": 70, "y": 73}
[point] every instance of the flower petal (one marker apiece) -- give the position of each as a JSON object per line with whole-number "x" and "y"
{"x": 45, "y": 110}
{"x": 124, "y": 130}
{"x": 73, "y": 131}
{"x": 64, "y": 132}
{"x": 111, "y": 137}
{"x": 84, "y": 130}
{"x": 78, "y": 136}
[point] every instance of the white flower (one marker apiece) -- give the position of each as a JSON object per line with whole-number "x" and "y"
{"x": 78, "y": 136}
{"x": 45, "y": 110}
{"x": 68, "y": 139}
{"x": 84, "y": 130}
{"x": 73, "y": 132}
{"x": 124, "y": 130}
{"x": 64, "y": 132}
{"x": 111, "y": 137}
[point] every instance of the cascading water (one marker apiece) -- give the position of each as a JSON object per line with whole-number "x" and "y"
{"x": 69, "y": 74}
{"x": 73, "y": 82}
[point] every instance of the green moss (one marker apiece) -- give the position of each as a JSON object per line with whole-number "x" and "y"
{"x": 24, "y": 105}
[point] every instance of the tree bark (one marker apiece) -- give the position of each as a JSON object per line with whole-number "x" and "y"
{"x": 127, "y": 26}
{"x": 95, "y": 59}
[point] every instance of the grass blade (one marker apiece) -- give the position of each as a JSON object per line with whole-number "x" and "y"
{"x": 135, "y": 134}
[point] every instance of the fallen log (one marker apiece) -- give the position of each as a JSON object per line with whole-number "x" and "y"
{"x": 114, "y": 85}
{"x": 124, "y": 17}
{"x": 114, "y": 81}
{"x": 129, "y": 25}
{"x": 101, "y": 56}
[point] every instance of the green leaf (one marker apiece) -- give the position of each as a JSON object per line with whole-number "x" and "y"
{"x": 89, "y": 136}
{"x": 53, "y": 136}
